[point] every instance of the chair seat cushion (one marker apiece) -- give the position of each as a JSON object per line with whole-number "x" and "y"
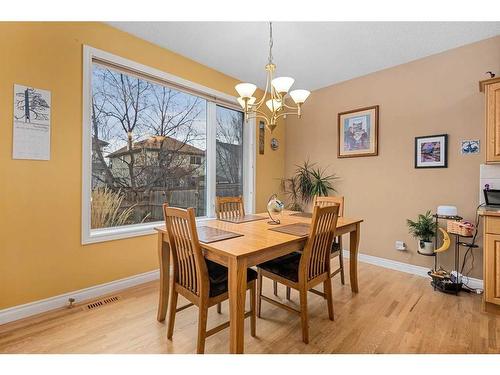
{"x": 335, "y": 247}
{"x": 286, "y": 266}
{"x": 217, "y": 274}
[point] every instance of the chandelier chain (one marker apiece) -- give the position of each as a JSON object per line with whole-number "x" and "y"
{"x": 270, "y": 42}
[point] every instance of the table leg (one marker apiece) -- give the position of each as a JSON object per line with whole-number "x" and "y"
{"x": 353, "y": 258}
{"x": 164, "y": 258}
{"x": 237, "y": 279}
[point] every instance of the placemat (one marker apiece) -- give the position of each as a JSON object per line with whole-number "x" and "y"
{"x": 303, "y": 214}
{"x": 244, "y": 219}
{"x": 297, "y": 229}
{"x": 209, "y": 234}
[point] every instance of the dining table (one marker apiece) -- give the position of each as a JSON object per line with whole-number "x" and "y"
{"x": 256, "y": 244}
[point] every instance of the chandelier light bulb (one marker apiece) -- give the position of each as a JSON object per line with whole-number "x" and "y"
{"x": 282, "y": 84}
{"x": 251, "y": 101}
{"x": 273, "y": 105}
{"x": 245, "y": 90}
{"x": 299, "y": 96}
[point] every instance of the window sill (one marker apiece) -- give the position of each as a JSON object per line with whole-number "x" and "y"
{"x": 126, "y": 231}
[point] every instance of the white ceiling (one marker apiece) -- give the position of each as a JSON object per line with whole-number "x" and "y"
{"x": 316, "y": 54}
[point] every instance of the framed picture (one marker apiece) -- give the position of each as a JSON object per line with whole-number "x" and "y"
{"x": 469, "y": 147}
{"x": 31, "y": 132}
{"x": 358, "y": 132}
{"x": 262, "y": 136}
{"x": 431, "y": 151}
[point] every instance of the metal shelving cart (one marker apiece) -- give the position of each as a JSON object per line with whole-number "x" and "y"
{"x": 446, "y": 284}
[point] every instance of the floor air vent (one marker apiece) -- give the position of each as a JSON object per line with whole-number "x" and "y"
{"x": 96, "y": 304}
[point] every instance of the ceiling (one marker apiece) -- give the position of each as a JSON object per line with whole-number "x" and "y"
{"x": 316, "y": 54}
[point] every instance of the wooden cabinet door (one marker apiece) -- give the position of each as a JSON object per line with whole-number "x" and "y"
{"x": 492, "y": 268}
{"x": 493, "y": 123}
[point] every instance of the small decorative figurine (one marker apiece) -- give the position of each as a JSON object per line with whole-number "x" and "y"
{"x": 274, "y": 209}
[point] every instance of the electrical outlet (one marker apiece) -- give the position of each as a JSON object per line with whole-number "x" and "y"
{"x": 400, "y": 245}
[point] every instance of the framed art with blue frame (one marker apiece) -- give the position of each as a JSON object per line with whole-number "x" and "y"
{"x": 358, "y": 132}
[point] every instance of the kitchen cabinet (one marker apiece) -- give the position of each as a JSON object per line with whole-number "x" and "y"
{"x": 491, "y": 258}
{"x": 491, "y": 88}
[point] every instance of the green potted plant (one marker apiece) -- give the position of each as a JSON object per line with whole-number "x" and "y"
{"x": 424, "y": 230}
{"x": 307, "y": 182}
{"x": 289, "y": 186}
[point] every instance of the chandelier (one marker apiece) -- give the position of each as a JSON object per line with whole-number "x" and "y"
{"x": 278, "y": 93}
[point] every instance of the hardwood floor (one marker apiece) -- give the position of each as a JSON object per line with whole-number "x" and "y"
{"x": 394, "y": 313}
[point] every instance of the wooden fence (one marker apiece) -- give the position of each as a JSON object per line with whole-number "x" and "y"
{"x": 148, "y": 204}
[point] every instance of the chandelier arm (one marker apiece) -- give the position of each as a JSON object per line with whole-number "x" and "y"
{"x": 286, "y": 114}
{"x": 289, "y": 107}
{"x": 260, "y": 116}
{"x": 272, "y": 91}
{"x": 274, "y": 94}
{"x": 254, "y": 112}
{"x": 263, "y": 99}
{"x": 257, "y": 112}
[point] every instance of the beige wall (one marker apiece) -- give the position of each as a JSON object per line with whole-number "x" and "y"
{"x": 435, "y": 95}
{"x": 40, "y": 201}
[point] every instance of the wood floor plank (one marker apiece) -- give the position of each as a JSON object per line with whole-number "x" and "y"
{"x": 393, "y": 313}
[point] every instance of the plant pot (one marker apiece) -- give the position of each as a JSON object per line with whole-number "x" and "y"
{"x": 426, "y": 247}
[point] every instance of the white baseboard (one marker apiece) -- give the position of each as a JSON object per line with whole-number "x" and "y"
{"x": 22, "y": 311}
{"x": 405, "y": 267}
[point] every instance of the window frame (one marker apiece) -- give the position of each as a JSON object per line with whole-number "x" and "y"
{"x": 213, "y": 98}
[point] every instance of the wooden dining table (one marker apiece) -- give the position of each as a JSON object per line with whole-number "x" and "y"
{"x": 257, "y": 244}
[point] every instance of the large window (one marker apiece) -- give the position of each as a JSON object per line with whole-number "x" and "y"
{"x": 148, "y": 147}
{"x": 153, "y": 141}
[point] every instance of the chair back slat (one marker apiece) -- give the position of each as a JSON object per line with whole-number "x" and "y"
{"x": 189, "y": 264}
{"x": 229, "y": 207}
{"x": 328, "y": 201}
{"x": 315, "y": 259}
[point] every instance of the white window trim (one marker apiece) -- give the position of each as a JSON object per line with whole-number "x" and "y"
{"x": 249, "y": 164}
{"x": 249, "y": 154}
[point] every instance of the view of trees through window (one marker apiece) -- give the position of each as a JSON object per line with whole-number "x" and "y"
{"x": 229, "y": 152}
{"x": 149, "y": 145}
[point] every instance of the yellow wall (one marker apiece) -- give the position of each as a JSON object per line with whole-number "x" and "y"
{"x": 435, "y": 95}
{"x": 40, "y": 201}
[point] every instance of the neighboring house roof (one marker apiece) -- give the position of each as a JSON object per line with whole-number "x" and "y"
{"x": 100, "y": 142}
{"x": 152, "y": 144}
{"x": 231, "y": 147}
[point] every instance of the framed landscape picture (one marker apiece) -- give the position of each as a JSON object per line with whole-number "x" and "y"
{"x": 358, "y": 132}
{"x": 431, "y": 151}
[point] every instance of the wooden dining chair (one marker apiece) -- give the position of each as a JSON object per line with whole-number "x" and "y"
{"x": 337, "y": 244}
{"x": 303, "y": 271}
{"x": 202, "y": 282}
{"x": 229, "y": 207}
